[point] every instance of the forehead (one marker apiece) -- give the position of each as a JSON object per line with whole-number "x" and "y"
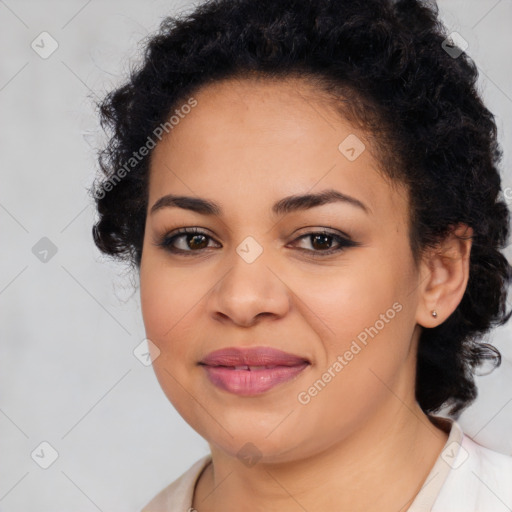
{"x": 267, "y": 138}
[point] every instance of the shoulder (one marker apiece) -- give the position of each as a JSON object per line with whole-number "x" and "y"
{"x": 479, "y": 479}
{"x": 179, "y": 494}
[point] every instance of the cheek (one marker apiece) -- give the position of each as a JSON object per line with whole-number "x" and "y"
{"x": 165, "y": 301}
{"x": 156, "y": 299}
{"x": 349, "y": 301}
{"x": 166, "y": 297}
{"x": 173, "y": 306}
{"x": 368, "y": 313}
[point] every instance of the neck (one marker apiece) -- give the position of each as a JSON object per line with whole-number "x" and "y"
{"x": 381, "y": 466}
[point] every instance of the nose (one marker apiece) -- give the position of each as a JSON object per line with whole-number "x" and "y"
{"x": 249, "y": 292}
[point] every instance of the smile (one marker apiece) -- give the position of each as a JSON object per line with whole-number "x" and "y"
{"x": 251, "y": 371}
{"x": 251, "y": 380}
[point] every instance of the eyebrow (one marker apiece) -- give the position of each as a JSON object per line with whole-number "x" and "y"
{"x": 286, "y": 205}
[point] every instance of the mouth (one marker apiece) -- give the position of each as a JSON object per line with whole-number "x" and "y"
{"x": 251, "y": 371}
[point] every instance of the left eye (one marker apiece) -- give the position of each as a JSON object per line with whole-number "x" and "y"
{"x": 195, "y": 241}
{"x": 321, "y": 240}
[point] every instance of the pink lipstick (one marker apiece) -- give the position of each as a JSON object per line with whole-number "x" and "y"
{"x": 251, "y": 371}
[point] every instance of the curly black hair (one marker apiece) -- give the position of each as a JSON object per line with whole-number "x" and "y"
{"x": 390, "y": 66}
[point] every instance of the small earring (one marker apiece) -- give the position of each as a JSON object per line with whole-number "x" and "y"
{"x": 434, "y": 313}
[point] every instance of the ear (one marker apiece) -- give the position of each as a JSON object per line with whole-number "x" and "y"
{"x": 444, "y": 276}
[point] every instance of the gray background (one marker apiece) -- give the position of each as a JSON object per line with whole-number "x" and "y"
{"x": 68, "y": 375}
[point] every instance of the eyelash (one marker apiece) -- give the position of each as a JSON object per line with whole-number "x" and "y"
{"x": 167, "y": 240}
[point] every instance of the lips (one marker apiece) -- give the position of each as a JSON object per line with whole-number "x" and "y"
{"x": 253, "y": 356}
{"x": 251, "y": 371}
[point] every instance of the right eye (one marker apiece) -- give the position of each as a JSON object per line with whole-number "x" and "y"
{"x": 192, "y": 240}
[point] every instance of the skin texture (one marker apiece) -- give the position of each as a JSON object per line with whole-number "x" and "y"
{"x": 362, "y": 442}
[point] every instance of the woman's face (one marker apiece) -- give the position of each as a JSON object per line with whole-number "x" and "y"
{"x": 277, "y": 277}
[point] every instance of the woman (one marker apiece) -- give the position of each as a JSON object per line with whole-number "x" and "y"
{"x": 309, "y": 192}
